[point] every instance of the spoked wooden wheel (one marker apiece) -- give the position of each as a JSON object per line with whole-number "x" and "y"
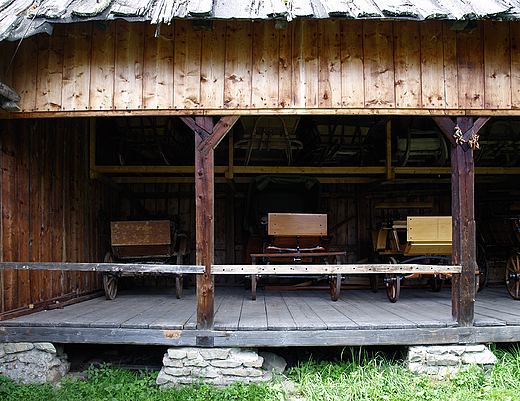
{"x": 110, "y": 286}
{"x": 178, "y": 285}
{"x": 110, "y": 280}
{"x": 393, "y": 284}
{"x": 513, "y": 275}
{"x": 437, "y": 282}
{"x": 335, "y": 286}
{"x": 483, "y": 267}
{"x": 374, "y": 282}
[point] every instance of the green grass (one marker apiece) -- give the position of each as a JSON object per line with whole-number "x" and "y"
{"x": 359, "y": 377}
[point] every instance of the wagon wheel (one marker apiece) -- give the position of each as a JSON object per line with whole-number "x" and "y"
{"x": 110, "y": 286}
{"x": 110, "y": 280}
{"x": 513, "y": 276}
{"x": 393, "y": 284}
{"x": 437, "y": 282}
{"x": 335, "y": 286}
{"x": 178, "y": 285}
{"x": 374, "y": 282}
{"x": 254, "y": 280}
{"x": 483, "y": 267}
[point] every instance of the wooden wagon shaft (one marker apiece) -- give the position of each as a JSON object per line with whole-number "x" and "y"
{"x": 103, "y": 267}
{"x": 335, "y": 269}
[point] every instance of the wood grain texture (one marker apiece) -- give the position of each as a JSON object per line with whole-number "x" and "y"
{"x": 158, "y": 81}
{"x": 50, "y": 71}
{"x": 102, "y": 73}
{"x": 497, "y": 65}
{"x": 352, "y": 60}
{"x": 285, "y": 68}
{"x": 128, "y": 84}
{"x": 76, "y": 67}
{"x": 305, "y": 64}
{"x": 237, "y": 84}
{"x": 407, "y": 60}
{"x": 26, "y": 68}
{"x": 265, "y": 66}
{"x": 432, "y": 65}
{"x": 470, "y": 60}
{"x": 329, "y": 53}
{"x": 378, "y": 64}
{"x": 212, "y": 74}
{"x": 187, "y": 66}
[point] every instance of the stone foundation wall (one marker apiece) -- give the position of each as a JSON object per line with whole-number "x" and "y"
{"x": 33, "y": 362}
{"x": 220, "y": 366}
{"x": 442, "y": 360}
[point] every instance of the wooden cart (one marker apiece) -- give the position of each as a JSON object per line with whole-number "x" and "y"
{"x": 424, "y": 239}
{"x": 151, "y": 242}
{"x": 301, "y": 242}
{"x": 499, "y": 242}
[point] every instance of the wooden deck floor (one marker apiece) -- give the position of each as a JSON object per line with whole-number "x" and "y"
{"x": 276, "y": 318}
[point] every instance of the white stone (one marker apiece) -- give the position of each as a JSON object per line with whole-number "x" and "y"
{"x": 214, "y": 353}
{"x": 176, "y": 353}
{"x": 11, "y": 348}
{"x": 162, "y": 377}
{"x": 46, "y": 347}
{"x": 174, "y": 363}
{"x": 485, "y": 357}
{"x": 218, "y": 363}
{"x": 196, "y": 362}
{"x": 442, "y": 360}
{"x": 205, "y": 373}
{"x": 273, "y": 362}
{"x": 255, "y": 364}
{"x": 475, "y": 348}
{"x": 235, "y": 372}
{"x": 243, "y": 355}
{"x": 177, "y": 371}
{"x": 192, "y": 353}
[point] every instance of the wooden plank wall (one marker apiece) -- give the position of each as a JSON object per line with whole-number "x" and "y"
{"x": 51, "y": 211}
{"x": 327, "y": 64}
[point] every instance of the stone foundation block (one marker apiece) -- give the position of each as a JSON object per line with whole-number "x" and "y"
{"x": 33, "y": 362}
{"x": 443, "y": 360}
{"x": 220, "y": 366}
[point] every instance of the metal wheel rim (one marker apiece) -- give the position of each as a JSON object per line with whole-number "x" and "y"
{"x": 437, "y": 283}
{"x": 513, "y": 267}
{"x": 110, "y": 286}
{"x": 393, "y": 287}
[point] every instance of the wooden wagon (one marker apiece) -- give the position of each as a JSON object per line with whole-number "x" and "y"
{"x": 150, "y": 242}
{"x": 499, "y": 242}
{"x": 425, "y": 239}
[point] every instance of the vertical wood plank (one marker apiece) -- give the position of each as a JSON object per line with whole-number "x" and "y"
{"x": 25, "y": 67}
{"x": 237, "y": 84}
{"x": 432, "y": 65}
{"x": 515, "y": 65}
{"x": 353, "y": 94}
{"x": 67, "y": 205}
{"x": 204, "y": 201}
{"x": 407, "y": 61}
{"x": 229, "y": 221}
{"x": 329, "y": 50}
{"x": 128, "y": 87}
{"x": 50, "y": 70}
{"x": 57, "y": 205}
{"x": 451, "y": 74}
{"x": 158, "y": 67}
{"x": 212, "y": 67}
{"x": 497, "y": 65}
{"x": 23, "y": 183}
{"x": 9, "y": 216}
{"x": 76, "y": 66}
{"x": 187, "y": 66}
{"x": 463, "y": 251}
{"x": 34, "y": 201}
{"x": 305, "y": 63}
{"x": 102, "y": 70}
{"x": 285, "y": 67}
{"x": 379, "y": 64}
{"x": 470, "y": 52}
{"x": 265, "y": 65}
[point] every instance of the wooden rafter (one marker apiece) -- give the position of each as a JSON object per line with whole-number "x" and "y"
{"x": 448, "y": 127}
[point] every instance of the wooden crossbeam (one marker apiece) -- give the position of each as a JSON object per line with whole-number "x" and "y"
{"x": 103, "y": 267}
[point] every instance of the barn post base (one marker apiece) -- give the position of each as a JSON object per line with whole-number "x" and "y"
{"x": 218, "y": 366}
{"x": 440, "y": 361}
{"x": 33, "y": 362}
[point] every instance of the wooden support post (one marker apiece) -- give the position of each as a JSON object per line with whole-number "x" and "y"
{"x": 204, "y": 204}
{"x": 463, "y": 248}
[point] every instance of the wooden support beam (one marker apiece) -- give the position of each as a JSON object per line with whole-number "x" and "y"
{"x": 463, "y": 248}
{"x": 204, "y": 204}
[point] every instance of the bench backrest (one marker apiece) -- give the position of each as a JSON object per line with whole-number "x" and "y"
{"x": 428, "y": 235}
{"x": 300, "y": 224}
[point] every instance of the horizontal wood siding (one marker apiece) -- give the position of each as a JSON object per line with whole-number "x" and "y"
{"x": 50, "y": 210}
{"x": 337, "y": 65}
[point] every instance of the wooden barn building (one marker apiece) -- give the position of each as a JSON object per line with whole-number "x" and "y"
{"x": 116, "y": 112}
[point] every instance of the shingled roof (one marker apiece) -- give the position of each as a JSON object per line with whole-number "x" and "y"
{"x": 20, "y": 18}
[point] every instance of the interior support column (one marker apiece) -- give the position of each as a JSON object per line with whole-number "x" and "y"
{"x": 463, "y": 215}
{"x": 204, "y": 206}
